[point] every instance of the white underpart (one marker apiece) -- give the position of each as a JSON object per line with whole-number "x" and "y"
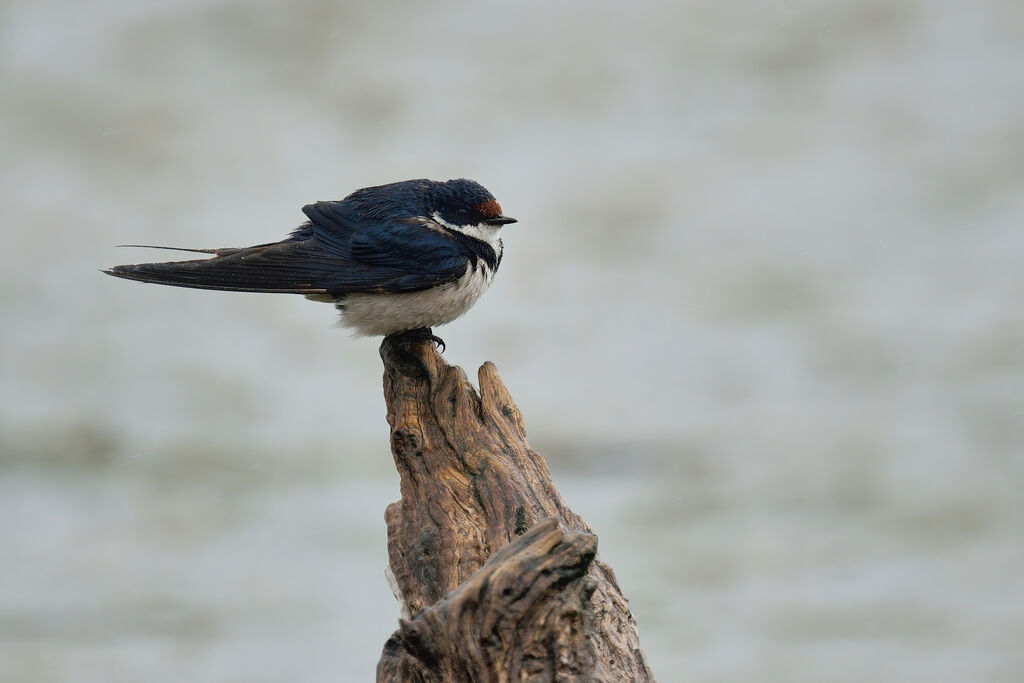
{"x": 381, "y": 314}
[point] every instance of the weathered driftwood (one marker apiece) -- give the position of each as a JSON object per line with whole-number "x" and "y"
{"x": 495, "y": 574}
{"x": 524, "y": 615}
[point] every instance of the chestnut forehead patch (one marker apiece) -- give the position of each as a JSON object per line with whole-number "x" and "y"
{"x": 488, "y": 209}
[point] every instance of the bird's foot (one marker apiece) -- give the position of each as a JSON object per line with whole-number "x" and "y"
{"x": 423, "y": 334}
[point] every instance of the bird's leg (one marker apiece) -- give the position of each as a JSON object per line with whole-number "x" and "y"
{"x": 423, "y": 334}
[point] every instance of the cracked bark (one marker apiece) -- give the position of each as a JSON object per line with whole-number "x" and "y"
{"x": 496, "y": 576}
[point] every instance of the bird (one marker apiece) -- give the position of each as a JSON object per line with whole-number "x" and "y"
{"x": 395, "y": 260}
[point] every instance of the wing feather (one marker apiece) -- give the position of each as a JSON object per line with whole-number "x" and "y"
{"x": 334, "y": 254}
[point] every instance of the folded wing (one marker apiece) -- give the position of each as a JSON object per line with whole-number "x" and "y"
{"x": 333, "y": 254}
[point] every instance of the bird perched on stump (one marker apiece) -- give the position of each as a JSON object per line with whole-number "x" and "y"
{"x": 394, "y": 259}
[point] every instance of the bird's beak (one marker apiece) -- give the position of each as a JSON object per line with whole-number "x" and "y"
{"x": 500, "y": 220}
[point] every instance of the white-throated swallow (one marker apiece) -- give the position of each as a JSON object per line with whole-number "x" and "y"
{"x": 397, "y": 258}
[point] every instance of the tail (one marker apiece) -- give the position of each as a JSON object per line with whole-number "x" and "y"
{"x": 194, "y": 251}
{"x": 282, "y": 267}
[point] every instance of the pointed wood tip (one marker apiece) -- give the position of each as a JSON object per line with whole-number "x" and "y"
{"x": 497, "y": 400}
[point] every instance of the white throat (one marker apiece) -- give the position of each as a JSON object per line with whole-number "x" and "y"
{"x": 489, "y": 234}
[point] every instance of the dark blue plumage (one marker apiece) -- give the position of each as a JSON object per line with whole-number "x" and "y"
{"x": 402, "y": 238}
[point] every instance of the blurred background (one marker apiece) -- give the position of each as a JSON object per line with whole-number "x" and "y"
{"x": 762, "y": 313}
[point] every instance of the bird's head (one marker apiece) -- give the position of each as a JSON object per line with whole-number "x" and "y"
{"x": 465, "y": 205}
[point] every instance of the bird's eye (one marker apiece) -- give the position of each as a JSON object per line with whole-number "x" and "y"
{"x": 463, "y": 212}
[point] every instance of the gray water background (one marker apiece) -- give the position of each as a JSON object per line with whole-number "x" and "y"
{"x": 762, "y": 312}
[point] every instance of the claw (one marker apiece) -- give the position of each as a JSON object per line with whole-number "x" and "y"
{"x": 424, "y": 334}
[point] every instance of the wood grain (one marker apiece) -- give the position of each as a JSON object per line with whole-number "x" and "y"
{"x": 495, "y": 574}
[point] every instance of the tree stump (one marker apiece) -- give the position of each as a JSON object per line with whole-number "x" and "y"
{"x": 496, "y": 576}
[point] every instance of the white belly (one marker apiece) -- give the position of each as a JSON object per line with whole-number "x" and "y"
{"x": 382, "y": 314}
